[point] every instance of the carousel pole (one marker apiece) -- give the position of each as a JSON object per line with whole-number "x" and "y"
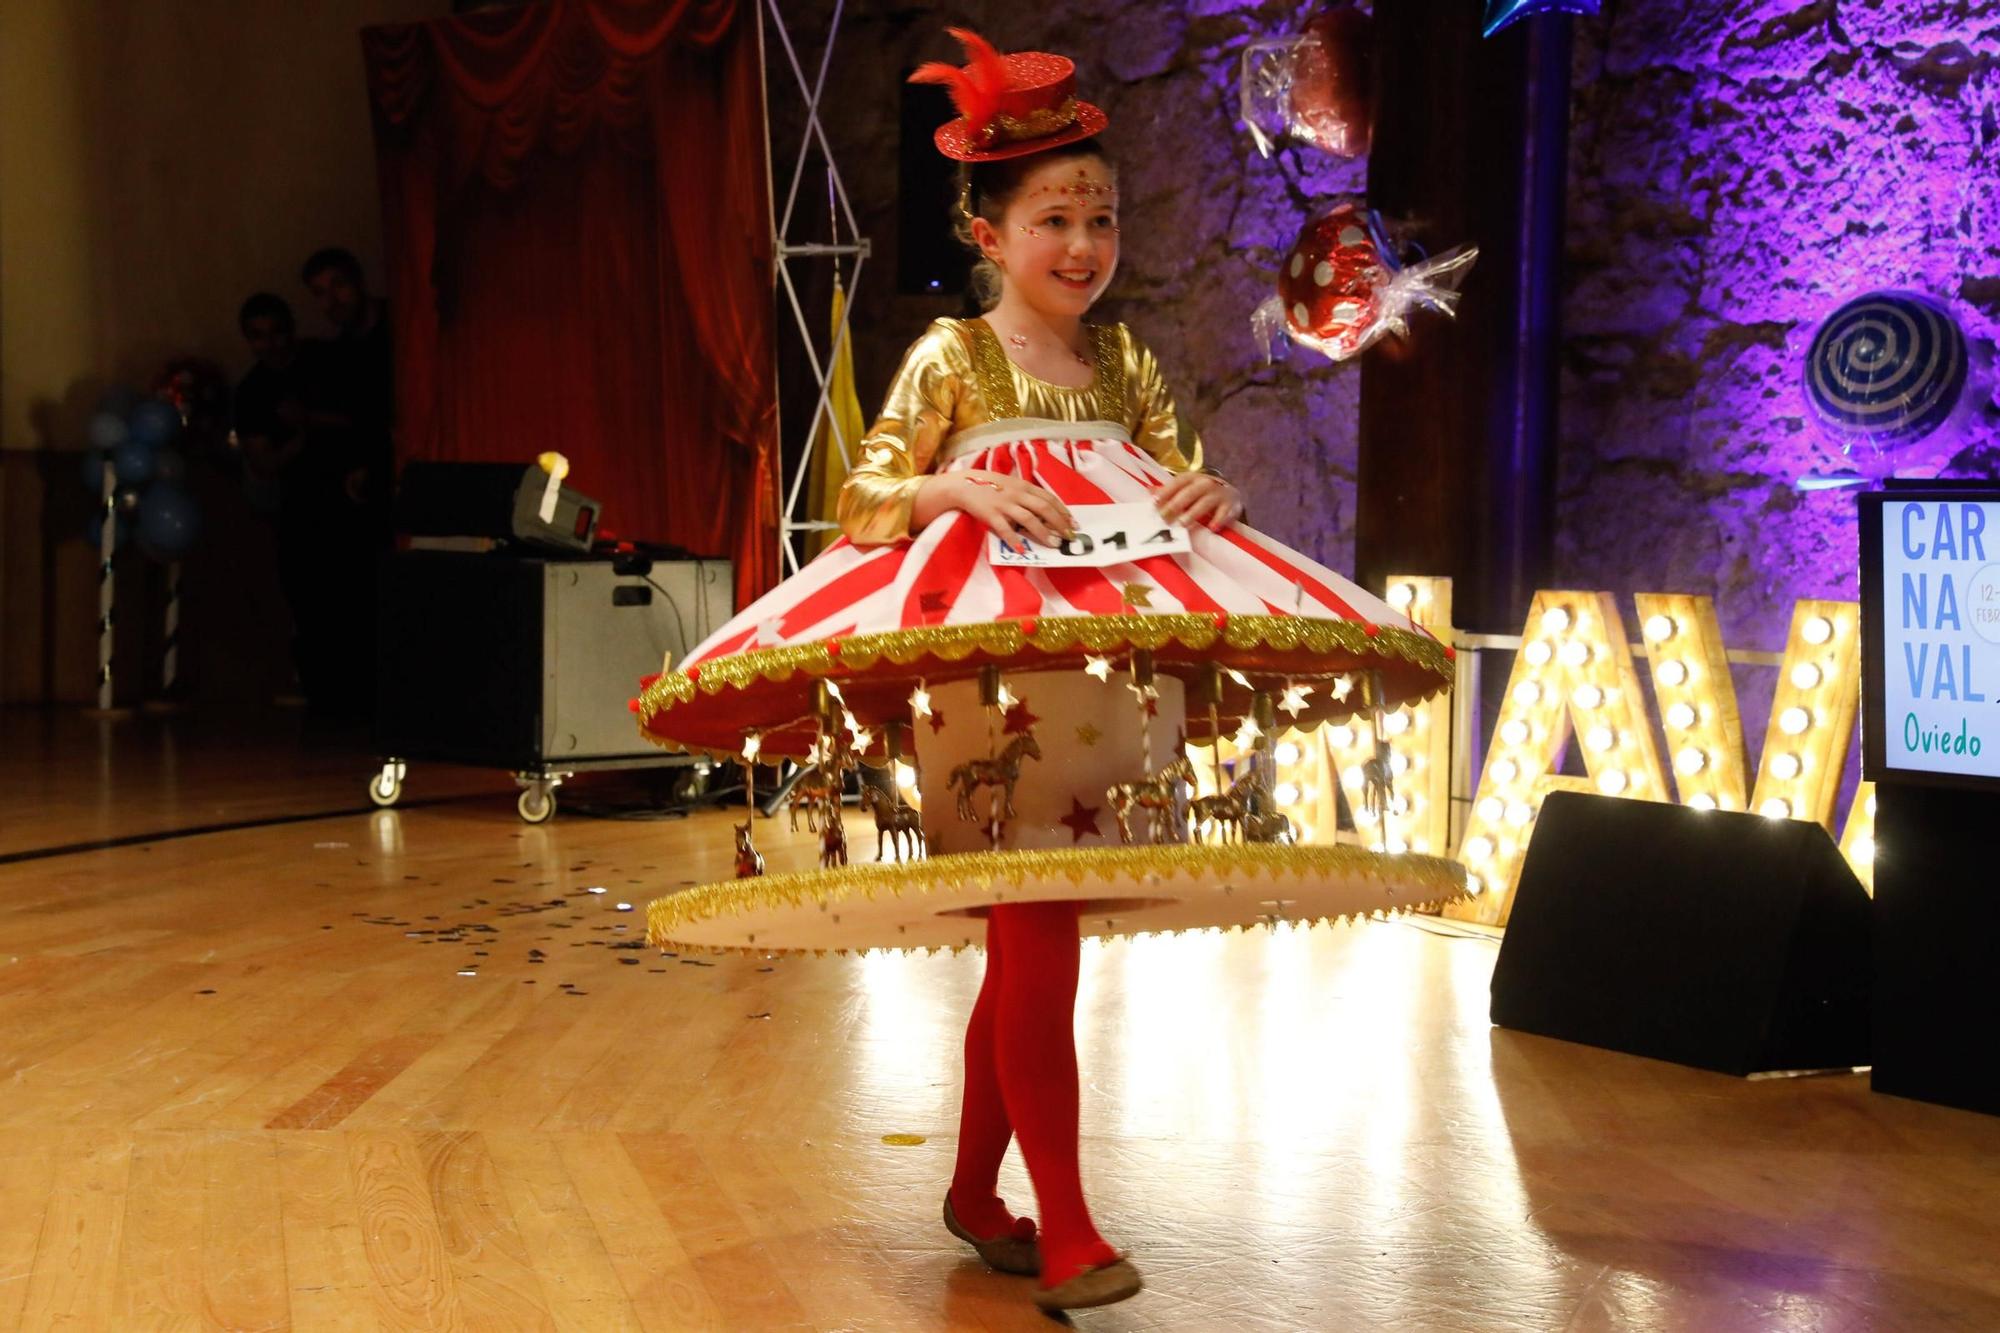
{"x": 989, "y": 698}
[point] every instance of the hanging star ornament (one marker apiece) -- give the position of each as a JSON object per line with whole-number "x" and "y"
{"x": 1342, "y": 687}
{"x": 1006, "y": 698}
{"x": 1081, "y": 820}
{"x": 753, "y": 743}
{"x": 1294, "y": 701}
{"x": 1500, "y": 13}
{"x": 1138, "y": 595}
{"x": 1099, "y": 667}
{"x": 937, "y": 722}
{"x": 1247, "y": 734}
{"x": 920, "y": 702}
{"x": 1088, "y": 734}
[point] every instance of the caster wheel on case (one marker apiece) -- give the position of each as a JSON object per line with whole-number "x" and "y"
{"x": 537, "y": 803}
{"x": 386, "y": 787}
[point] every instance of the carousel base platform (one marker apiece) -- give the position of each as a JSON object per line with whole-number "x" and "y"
{"x": 940, "y": 902}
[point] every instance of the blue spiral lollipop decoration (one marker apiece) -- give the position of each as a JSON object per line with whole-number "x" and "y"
{"x": 1886, "y": 369}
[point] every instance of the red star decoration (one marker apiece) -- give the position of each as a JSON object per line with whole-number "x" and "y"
{"x": 933, "y": 602}
{"x": 1151, "y": 707}
{"x": 1019, "y": 719}
{"x": 1081, "y": 820}
{"x": 937, "y": 720}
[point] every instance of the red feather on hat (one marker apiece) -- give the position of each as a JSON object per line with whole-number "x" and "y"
{"x": 976, "y": 89}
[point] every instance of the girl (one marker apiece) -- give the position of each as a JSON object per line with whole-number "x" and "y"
{"x": 1042, "y": 211}
{"x": 995, "y": 434}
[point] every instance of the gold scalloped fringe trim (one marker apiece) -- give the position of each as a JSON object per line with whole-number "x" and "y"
{"x": 983, "y": 870}
{"x": 1047, "y": 636}
{"x": 1434, "y": 906}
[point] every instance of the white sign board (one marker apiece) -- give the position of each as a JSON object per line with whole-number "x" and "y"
{"x": 1105, "y": 535}
{"x": 1940, "y": 636}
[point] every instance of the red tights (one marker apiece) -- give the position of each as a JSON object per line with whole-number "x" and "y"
{"x": 1020, "y": 1081}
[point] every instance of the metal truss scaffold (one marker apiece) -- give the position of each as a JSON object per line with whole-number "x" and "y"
{"x": 848, "y": 257}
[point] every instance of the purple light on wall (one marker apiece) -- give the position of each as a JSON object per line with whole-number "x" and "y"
{"x": 1737, "y": 172}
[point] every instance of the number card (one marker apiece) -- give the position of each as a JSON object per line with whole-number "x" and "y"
{"x": 1105, "y": 535}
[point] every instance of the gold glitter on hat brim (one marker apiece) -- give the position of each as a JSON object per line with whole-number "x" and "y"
{"x": 939, "y": 902}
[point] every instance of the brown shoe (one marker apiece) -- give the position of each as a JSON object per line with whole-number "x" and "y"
{"x": 1005, "y": 1254}
{"x": 1106, "y": 1284}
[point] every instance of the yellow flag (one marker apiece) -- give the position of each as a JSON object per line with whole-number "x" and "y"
{"x": 843, "y": 408}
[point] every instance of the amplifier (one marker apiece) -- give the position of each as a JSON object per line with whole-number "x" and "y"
{"x": 526, "y": 662}
{"x": 502, "y": 501}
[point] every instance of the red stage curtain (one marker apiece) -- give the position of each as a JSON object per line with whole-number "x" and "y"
{"x": 579, "y": 245}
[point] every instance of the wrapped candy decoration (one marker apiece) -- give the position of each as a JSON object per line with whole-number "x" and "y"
{"x": 1892, "y": 380}
{"x": 1312, "y": 87}
{"x": 1344, "y": 285}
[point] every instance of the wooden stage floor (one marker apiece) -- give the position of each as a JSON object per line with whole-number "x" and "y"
{"x": 405, "y": 1070}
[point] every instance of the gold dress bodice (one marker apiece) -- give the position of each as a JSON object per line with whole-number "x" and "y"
{"x": 957, "y": 376}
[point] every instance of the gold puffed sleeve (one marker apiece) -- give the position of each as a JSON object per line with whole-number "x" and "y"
{"x": 933, "y": 388}
{"x": 1157, "y": 427}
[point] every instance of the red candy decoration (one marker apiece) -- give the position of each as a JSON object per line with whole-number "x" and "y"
{"x": 1330, "y": 82}
{"x": 1330, "y": 283}
{"x": 1339, "y": 290}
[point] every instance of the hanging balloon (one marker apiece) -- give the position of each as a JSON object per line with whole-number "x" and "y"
{"x": 1500, "y": 13}
{"x": 1312, "y": 87}
{"x": 107, "y": 431}
{"x": 169, "y": 466}
{"x": 135, "y": 461}
{"x": 154, "y": 423}
{"x": 168, "y": 522}
{"x": 1343, "y": 286}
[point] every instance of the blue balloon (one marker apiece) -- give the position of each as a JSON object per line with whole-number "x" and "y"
{"x": 154, "y": 423}
{"x": 169, "y": 466}
{"x": 93, "y": 532}
{"x": 135, "y": 462}
{"x": 1500, "y": 13}
{"x": 1886, "y": 369}
{"x": 107, "y": 431}
{"x": 169, "y": 522}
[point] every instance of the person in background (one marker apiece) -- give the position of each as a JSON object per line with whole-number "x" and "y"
{"x": 268, "y": 406}
{"x": 269, "y": 419}
{"x": 335, "y": 476}
{"x": 361, "y": 364}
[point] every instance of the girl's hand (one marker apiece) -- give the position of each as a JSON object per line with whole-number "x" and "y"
{"x": 1199, "y": 497}
{"x": 1014, "y": 509}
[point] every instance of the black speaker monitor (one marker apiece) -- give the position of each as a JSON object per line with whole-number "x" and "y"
{"x": 503, "y": 501}
{"x": 1725, "y": 941}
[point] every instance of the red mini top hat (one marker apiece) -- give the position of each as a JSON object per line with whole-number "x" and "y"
{"x": 1011, "y": 105}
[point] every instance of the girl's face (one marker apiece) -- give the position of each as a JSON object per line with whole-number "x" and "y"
{"x": 1057, "y": 243}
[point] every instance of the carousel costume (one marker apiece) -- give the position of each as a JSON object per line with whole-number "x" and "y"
{"x": 1045, "y": 705}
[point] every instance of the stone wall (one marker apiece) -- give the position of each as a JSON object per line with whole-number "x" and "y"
{"x": 1738, "y": 170}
